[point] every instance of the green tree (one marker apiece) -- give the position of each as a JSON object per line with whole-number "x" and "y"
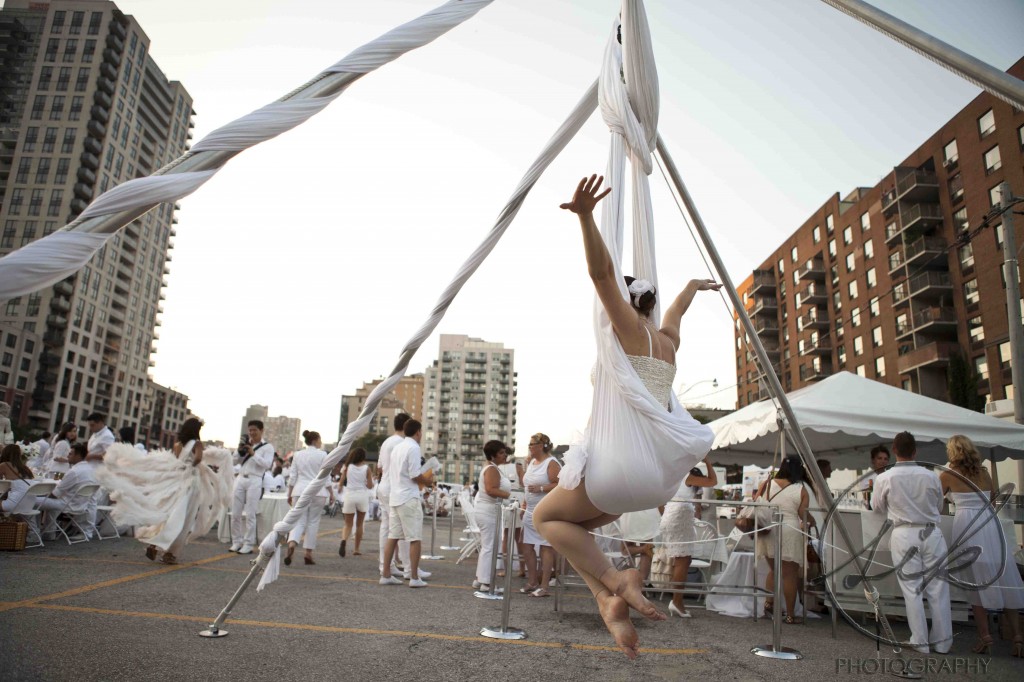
{"x": 963, "y": 382}
{"x": 370, "y": 442}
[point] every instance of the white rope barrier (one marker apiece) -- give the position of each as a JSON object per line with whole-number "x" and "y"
{"x": 46, "y": 261}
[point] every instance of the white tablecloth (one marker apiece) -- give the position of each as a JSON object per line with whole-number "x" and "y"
{"x": 273, "y": 508}
{"x": 740, "y": 571}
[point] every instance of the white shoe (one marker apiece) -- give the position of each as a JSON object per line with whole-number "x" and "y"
{"x": 423, "y": 574}
{"x": 235, "y": 547}
{"x": 392, "y": 580}
{"x": 476, "y": 584}
{"x": 553, "y": 582}
{"x": 246, "y": 549}
{"x": 417, "y": 583}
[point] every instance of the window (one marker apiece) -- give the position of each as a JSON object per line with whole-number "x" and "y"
{"x": 64, "y": 78}
{"x": 57, "y": 108}
{"x": 95, "y": 21}
{"x": 966, "y": 254}
{"x": 88, "y": 51}
{"x": 852, "y": 289}
{"x": 837, "y": 300}
{"x": 45, "y": 76}
{"x": 56, "y": 197}
{"x": 793, "y": 255}
{"x": 874, "y": 307}
{"x": 830, "y": 224}
{"x": 872, "y": 280}
{"x": 986, "y": 124}
{"x": 971, "y": 291}
{"x": 35, "y": 201}
{"x": 998, "y": 232}
{"x": 851, "y": 262}
{"x": 960, "y": 222}
{"x": 865, "y": 222}
{"x": 950, "y": 155}
{"x": 956, "y": 187}
{"x": 876, "y": 337}
{"x": 77, "y": 18}
{"x": 869, "y": 249}
{"x": 58, "y": 22}
{"x": 993, "y": 162}
{"x": 816, "y": 234}
{"x": 976, "y": 330}
{"x": 1004, "y": 356}
{"x": 861, "y": 372}
{"x": 981, "y": 366}
{"x": 70, "y": 48}
{"x": 49, "y": 139}
{"x": 17, "y": 198}
{"x": 7, "y": 242}
{"x": 24, "y": 166}
{"x": 832, "y": 248}
{"x": 848, "y": 236}
{"x": 68, "y": 145}
{"x": 43, "y": 171}
{"x": 879, "y": 367}
{"x": 82, "y": 83}
{"x": 75, "y": 113}
{"x": 62, "y": 171}
{"x": 31, "y": 137}
{"x": 855, "y": 317}
{"x": 841, "y": 353}
{"x": 38, "y": 104}
{"x": 1020, "y": 136}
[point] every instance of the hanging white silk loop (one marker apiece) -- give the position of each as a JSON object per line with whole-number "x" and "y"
{"x": 634, "y": 452}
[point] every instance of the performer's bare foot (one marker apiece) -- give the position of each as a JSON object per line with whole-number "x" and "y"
{"x": 631, "y": 588}
{"x": 615, "y": 613}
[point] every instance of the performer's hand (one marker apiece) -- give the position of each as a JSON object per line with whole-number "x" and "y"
{"x": 705, "y": 284}
{"x": 586, "y": 197}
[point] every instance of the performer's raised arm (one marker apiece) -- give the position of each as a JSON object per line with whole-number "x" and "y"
{"x": 674, "y": 314}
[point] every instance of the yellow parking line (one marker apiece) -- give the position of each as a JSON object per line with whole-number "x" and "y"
{"x": 360, "y": 631}
{"x": 110, "y": 583}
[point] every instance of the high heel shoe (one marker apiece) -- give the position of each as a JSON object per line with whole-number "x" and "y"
{"x": 677, "y": 612}
{"x": 768, "y": 607}
{"x": 983, "y": 645}
{"x": 1018, "y": 647}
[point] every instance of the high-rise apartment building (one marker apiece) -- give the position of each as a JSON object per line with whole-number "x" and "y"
{"x": 470, "y": 399}
{"x": 896, "y": 281}
{"x": 406, "y": 397}
{"x": 257, "y": 412}
{"x": 164, "y": 411}
{"x": 83, "y": 107}
{"x": 284, "y": 433}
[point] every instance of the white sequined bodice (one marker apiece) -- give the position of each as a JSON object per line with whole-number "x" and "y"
{"x": 656, "y": 375}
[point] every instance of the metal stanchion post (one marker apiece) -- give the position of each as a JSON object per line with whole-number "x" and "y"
{"x": 450, "y": 547}
{"x": 776, "y": 650}
{"x": 493, "y": 593}
{"x": 433, "y": 532}
{"x": 504, "y": 631}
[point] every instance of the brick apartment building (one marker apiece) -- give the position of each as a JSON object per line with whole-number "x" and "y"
{"x": 876, "y": 282}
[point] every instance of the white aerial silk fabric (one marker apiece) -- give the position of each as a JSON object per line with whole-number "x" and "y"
{"x": 634, "y": 453}
{"x": 568, "y": 129}
{"x": 156, "y": 491}
{"x": 32, "y": 270}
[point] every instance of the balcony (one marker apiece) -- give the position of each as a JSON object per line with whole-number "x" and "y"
{"x": 90, "y": 161}
{"x": 117, "y": 29}
{"x": 46, "y": 378}
{"x": 63, "y": 288}
{"x": 935, "y": 320}
{"x": 98, "y": 113}
{"x": 93, "y": 146}
{"x": 816, "y": 318}
{"x": 766, "y": 326}
{"x": 763, "y": 283}
{"x": 106, "y": 86}
{"x": 87, "y": 176}
{"x": 765, "y": 305}
{"x": 930, "y": 284}
{"x": 83, "y": 190}
{"x": 911, "y": 185}
{"x": 920, "y": 215}
{"x": 108, "y": 70}
{"x": 814, "y": 294}
{"x": 42, "y": 395}
{"x": 934, "y": 354}
{"x": 48, "y": 359}
{"x": 111, "y": 56}
{"x": 60, "y": 304}
{"x": 926, "y": 251}
{"x": 56, "y": 321}
{"x": 820, "y": 346}
{"x": 53, "y": 338}
{"x": 103, "y": 99}
{"x": 96, "y": 129}
{"x": 815, "y": 372}
{"x": 814, "y": 269}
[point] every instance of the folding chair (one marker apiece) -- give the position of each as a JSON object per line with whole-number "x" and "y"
{"x": 82, "y": 517}
{"x": 472, "y": 545}
{"x": 103, "y": 515}
{"x": 707, "y": 536}
{"x": 26, "y": 507}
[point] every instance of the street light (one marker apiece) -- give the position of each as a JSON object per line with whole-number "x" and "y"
{"x": 713, "y": 382}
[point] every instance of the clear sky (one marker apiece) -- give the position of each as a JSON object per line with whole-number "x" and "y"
{"x": 304, "y": 266}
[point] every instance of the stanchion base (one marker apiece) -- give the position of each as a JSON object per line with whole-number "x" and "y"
{"x": 432, "y": 557}
{"x": 498, "y": 633}
{"x": 213, "y": 633}
{"x": 448, "y": 548}
{"x": 906, "y": 674}
{"x": 487, "y": 595}
{"x": 783, "y": 653}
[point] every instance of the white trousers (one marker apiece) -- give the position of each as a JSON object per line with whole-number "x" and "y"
{"x": 931, "y": 551}
{"x": 487, "y": 520}
{"x": 244, "y": 505}
{"x": 308, "y": 523}
{"x": 385, "y": 521}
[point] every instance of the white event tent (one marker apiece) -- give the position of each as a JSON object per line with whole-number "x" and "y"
{"x": 846, "y": 415}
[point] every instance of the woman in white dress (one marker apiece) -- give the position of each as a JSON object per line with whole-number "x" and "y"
{"x": 58, "y": 462}
{"x": 614, "y": 482}
{"x": 540, "y": 478}
{"x": 976, "y": 525}
{"x": 678, "y": 531}
{"x": 13, "y": 469}
{"x": 494, "y": 488}
{"x": 306, "y": 465}
{"x": 788, "y": 491}
{"x": 170, "y": 496}
{"x": 358, "y": 483}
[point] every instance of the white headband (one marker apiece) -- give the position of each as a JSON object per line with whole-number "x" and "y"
{"x": 637, "y": 289}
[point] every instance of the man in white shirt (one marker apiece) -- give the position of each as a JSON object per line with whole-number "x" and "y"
{"x": 254, "y": 458}
{"x": 879, "y": 461}
{"x": 100, "y": 438}
{"x": 66, "y": 492}
{"x": 406, "y": 522}
{"x": 911, "y": 496}
{"x": 384, "y": 493}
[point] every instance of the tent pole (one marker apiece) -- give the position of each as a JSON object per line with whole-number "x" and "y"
{"x": 997, "y": 83}
{"x": 821, "y": 489}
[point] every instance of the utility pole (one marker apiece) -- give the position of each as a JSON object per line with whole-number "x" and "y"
{"x": 1012, "y": 274}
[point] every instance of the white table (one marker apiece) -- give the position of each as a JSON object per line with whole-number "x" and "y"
{"x": 273, "y": 507}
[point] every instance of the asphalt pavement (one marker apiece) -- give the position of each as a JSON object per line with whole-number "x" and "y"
{"x": 102, "y": 611}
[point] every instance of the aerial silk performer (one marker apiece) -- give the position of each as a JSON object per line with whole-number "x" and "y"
{"x": 640, "y": 443}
